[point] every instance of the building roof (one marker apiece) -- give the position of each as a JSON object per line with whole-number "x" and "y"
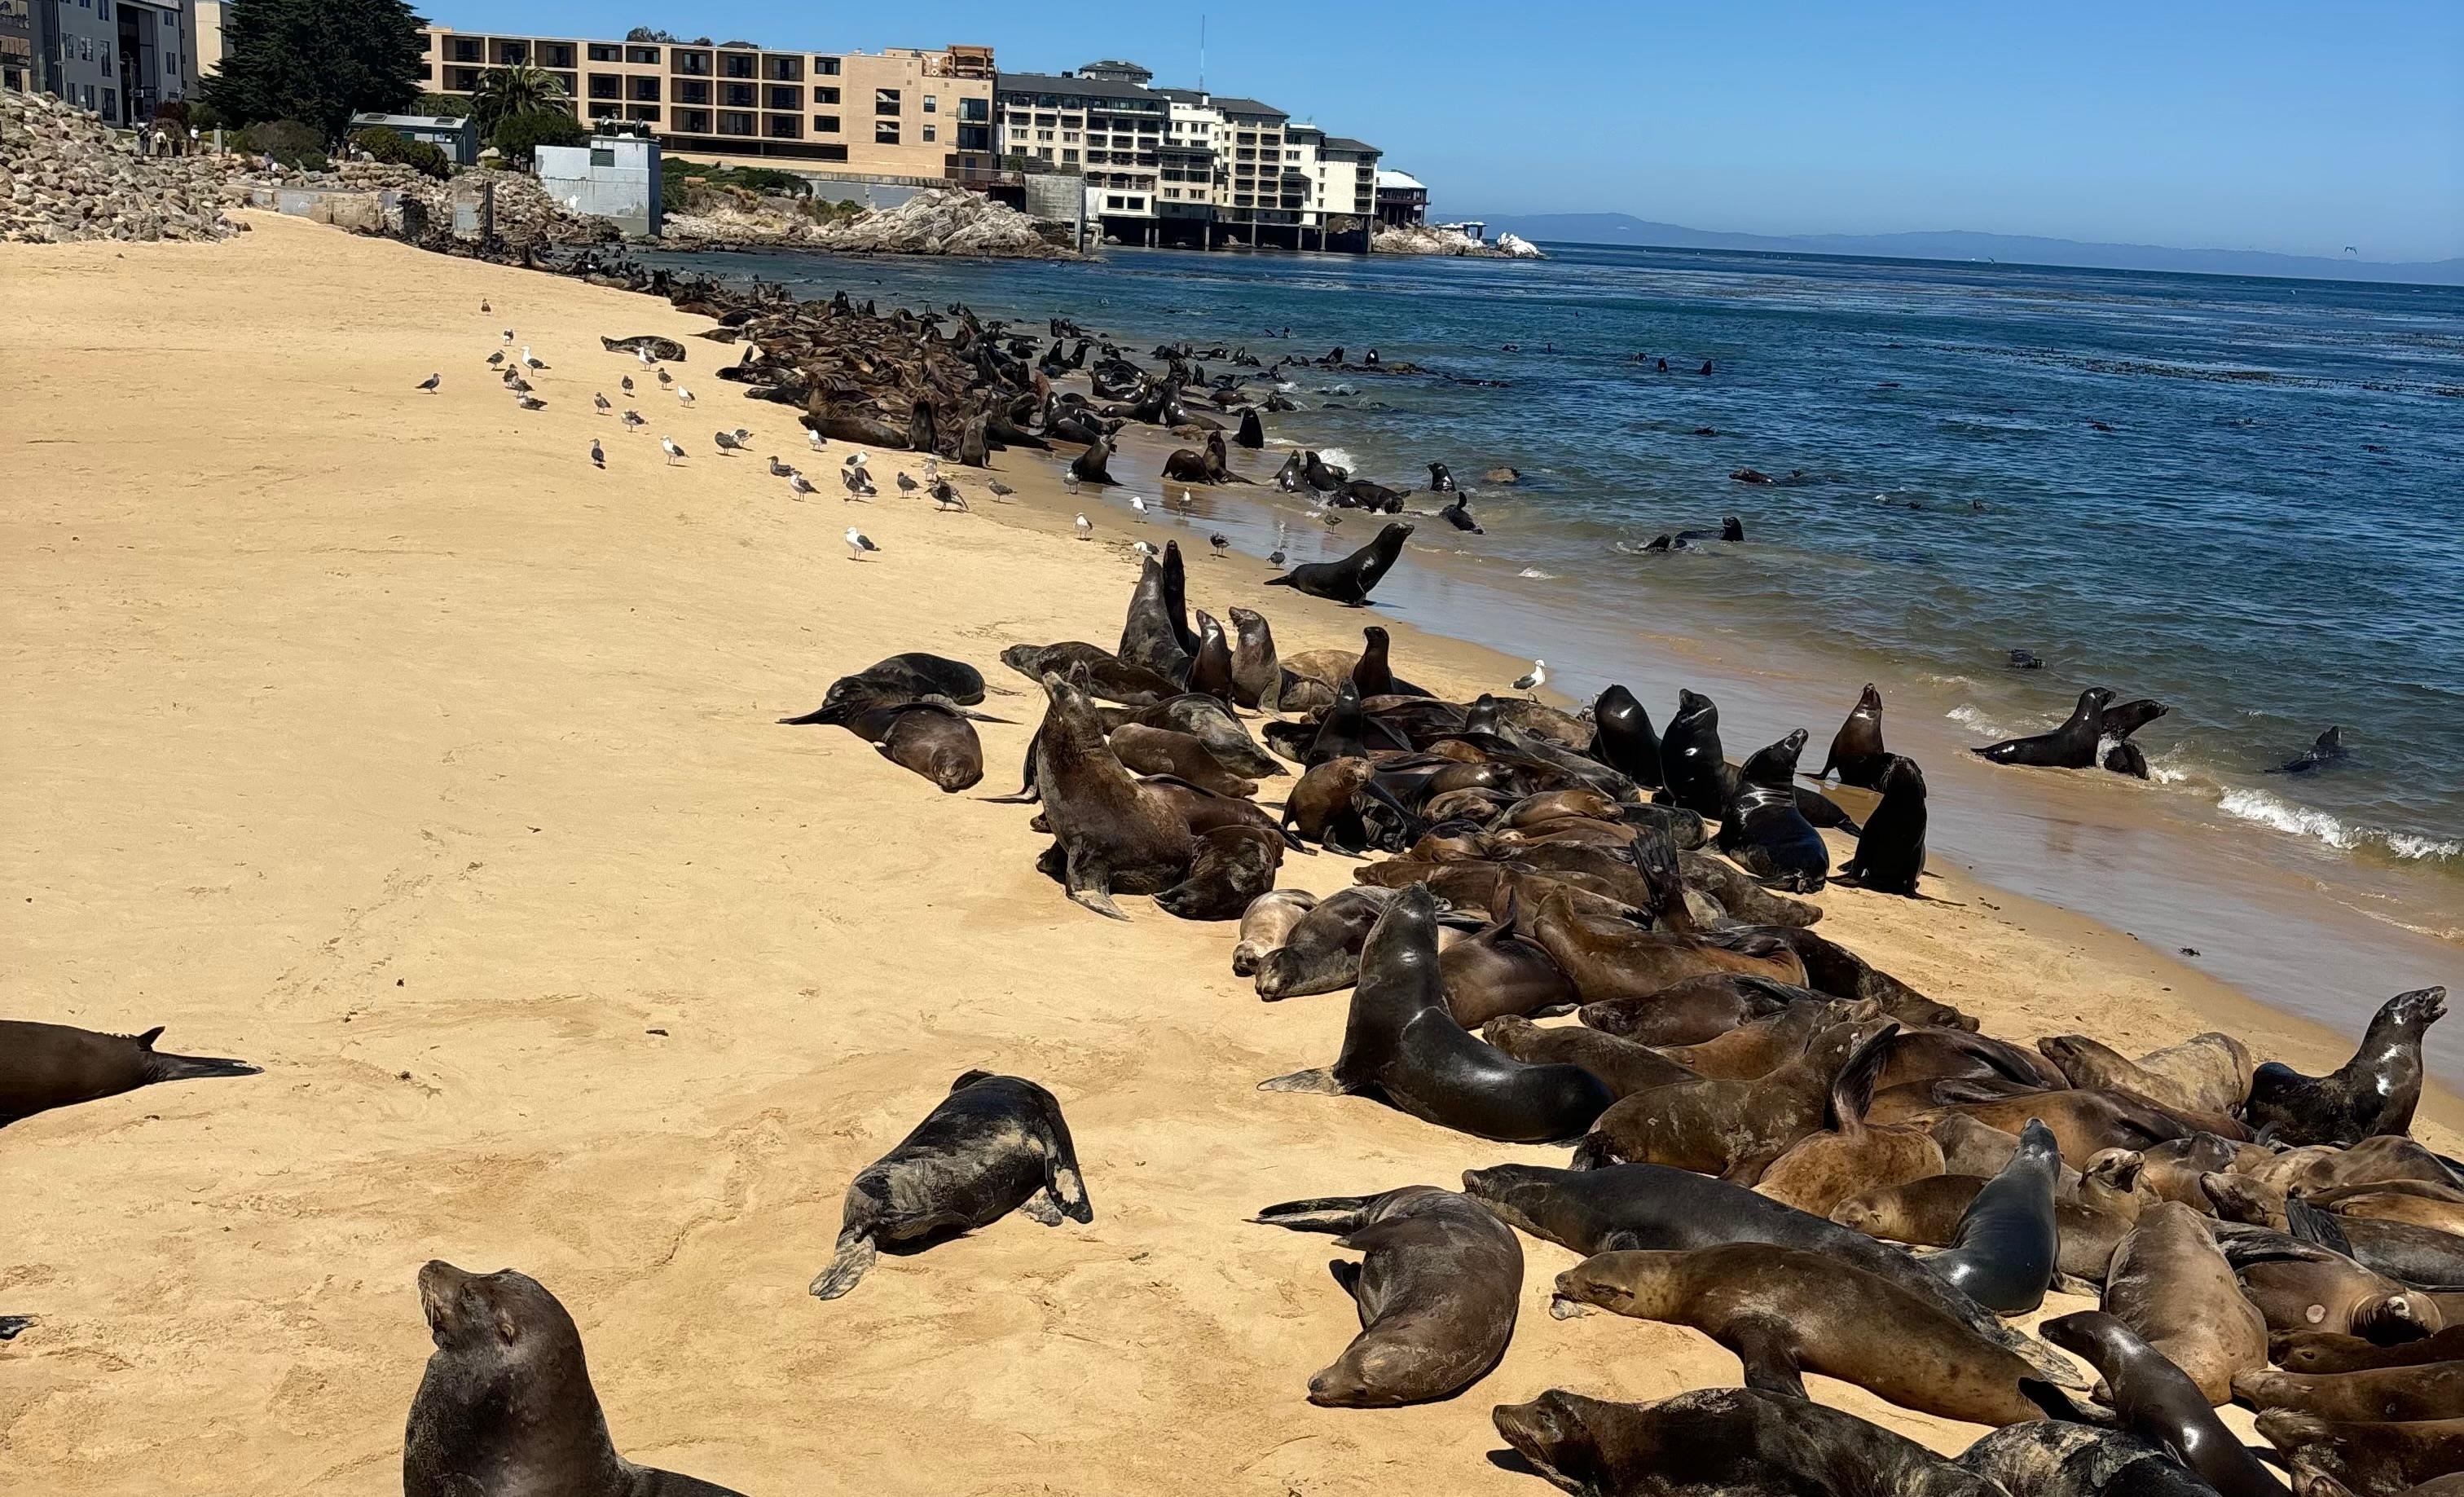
{"x": 1231, "y": 106}
{"x": 416, "y": 121}
{"x": 1401, "y": 182}
{"x": 1341, "y": 142}
{"x": 1084, "y": 88}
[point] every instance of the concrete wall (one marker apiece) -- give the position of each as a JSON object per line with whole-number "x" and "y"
{"x": 871, "y": 194}
{"x": 610, "y": 178}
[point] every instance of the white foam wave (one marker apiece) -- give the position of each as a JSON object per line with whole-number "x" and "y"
{"x": 2303, "y": 821}
{"x": 1538, "y": 575}
{"x": 1334, "y": 457}
{"x": 1975, "y": 721}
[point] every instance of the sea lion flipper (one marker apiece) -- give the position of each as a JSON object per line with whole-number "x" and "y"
{"x": 855, "y": 1255}
{"x": 1768, "y": 1349}
{"x": 1345, "y": 1273}
{"x": 1318, "y": 1081}
{"x": 1337, "y": 1214}
{"x": 1091, "y": 886}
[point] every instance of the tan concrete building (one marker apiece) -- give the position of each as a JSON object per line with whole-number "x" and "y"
{"x": 901, "y": 113}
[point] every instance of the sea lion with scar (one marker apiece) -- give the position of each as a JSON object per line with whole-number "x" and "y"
{"x": 2052, "y": 1459}
{"x": 45, "y": 1065}
{"x": 2368, "y": 1457}
{"x": 1437, "y": 1293}
{"x": 2374, "y": 1092}
{"x": 1350, "y": 581}
{"x": 1856, "y": 754}
{"x": 2158, "y": 1402}
{"x": 2332, "y": 1352}
{"x": 2300, "y": 1286}
{"x": 1111, "y": 834}
{"x": 994, "y": 1145}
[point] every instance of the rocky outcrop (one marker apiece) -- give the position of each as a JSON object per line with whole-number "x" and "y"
{"x": 929, "y": 223}
{"x": 1427, "y": 239}
{"x": 64, "y": 176}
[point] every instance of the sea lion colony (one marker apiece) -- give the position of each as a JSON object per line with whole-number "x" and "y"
{"x": 1762, "y": 1124}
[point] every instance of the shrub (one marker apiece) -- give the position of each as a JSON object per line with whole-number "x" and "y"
{"x": 384, "y": 143}
{"x": 204, "y": 117}
{"x": 452, "y": 107}
{"x": 172, "y": 114}
{"x": 289, "y": 143}
{"x": 518, "y": 136}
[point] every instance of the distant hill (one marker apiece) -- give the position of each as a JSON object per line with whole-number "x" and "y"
{"x": 1958, "y": 245}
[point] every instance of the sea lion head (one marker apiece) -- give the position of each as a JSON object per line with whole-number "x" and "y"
{"x": 2238, "y": 1197}
{"x": 1518, "y": 1195}
{"x": 1902, "y": 775}
{"x": 1775, "y": 766}
{"x": 1869, "y": 699}
{"x": 493, "y": 1319}
{"x": 2387, "y": 1319}
{"x": 1555, "y": 1433}
{"x": 2418, "y": 1009}
{"x": 1693, "y": 707}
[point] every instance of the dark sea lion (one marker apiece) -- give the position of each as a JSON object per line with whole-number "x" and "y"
{"x": 994, "y": 1145}
{"x": 2070, "y": 746}
{"x": 1094, "y": 465}
{"x": 1857, "y": 753}
{"x": 2329, "y": 749}
{"x": 1203, "y": 811}
{"x": 1149, "y": 637}
{"x": 1623, "y": 737}
{"x": 2168, "y": 1283}
{"x": 2007, "y": 1245}
{"x": 1627, "y": 1068}
{"x": 1267, "y": 924}
{"x": 2158, "y": 1402}
{"x": 1891, "y": 850}
{"x": 1257, "y": 675}
{"x": 1230, "y": 866}
{"x": 1106, "y": 676}
{"x": 1924, "y": 1054}
{"x": 1339, "y": 732}
{"x": 1436, "y": 1293}
{"x": 1694, "y": 768}
{"x": 1321, "y": 952}
{"x": 665, "y": 349}
{"x": 47, "y": 1065}
{"x": 1253, "y": 432}
{"x": 2368, "y": 1457}
{"x": 2126, "y": 758}
{"x": 1825, "y": 1168}
{"x": 935, "y": 743}
{"x": 1110, "y": 831}
{"x": 2209, "y": 1072}
{"x": 1723, "y": 1443}
{"x": 1350, "y": 580}
{"x": 2374, "y": 1092}
{"x": 913, "y": 676}
{"x": 1739, "y": 895}
{"x": 1608, "y": 960}
{"x": 1210, "y": 666}
{"x": 1401, "y": 1042}
{"x": 2122, "y": 719}
{"x": 2333, "y": 1352}
{"x": 1494, "y": 972}
{"x": 1762, "y": 827}
{"x": 1211, "y": 722}
{"x": 1652, "y": 1208}
{"x": 1441, "y": 479}
{"x": 2052, "y": 1459}
{"x": 1929, "y": 1212}
{"x": 1694, "y": 1010}
{"x": 1160, "y": 751}
{"x": 1732, "y": 1129}
{"x": 505, "y": 1407}
{"x": 2417, "y": 1391}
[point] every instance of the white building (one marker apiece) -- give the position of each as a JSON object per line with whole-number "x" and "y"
{"x": 120, "y": 58}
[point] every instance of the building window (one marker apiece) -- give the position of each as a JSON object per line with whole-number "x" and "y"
{"x": 825, "y": 95}
{"x": 825, "y": 67}
{"x": 736, "y": 96}
{"x": 641, "y": 55}
{"x": 733, "y": 122}
{"x": 931, "y": 104}
{"x": 781, "y": 127}
{"x": 885, "y": 132}
{"x": 783, "y": 70}
{"x": 885, "y": 100}
{"x": 604, "y": 51}
{"x": 692, "y": 121}
{"x": 975, "y": 111}
{"x": 465, "y": 50}
{"x": 607, "y": 85}
{"x": 929, "y": 136}
{"x": 648, "y": 113}
{"x": 694, "y": 63}
{"x": 645, "y": 91}
{"x": 692, "y": 91}
{"x": 735, "y": 64}
{"x": 466, "y": 81}
{"x": 1113, "y": 201}
{"x": 560, "y": 55}
{"x": 826, "y": 124}
{"x": 783, "y": 96}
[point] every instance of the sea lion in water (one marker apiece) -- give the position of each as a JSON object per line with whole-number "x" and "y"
{"x": 1762, "y": 827}
{"x": 1891, "y": 850}
{"x": 1401, "y": 1041}
{"x": 46, "y": 1065}
{"x": 1731, "y": 1441}
{"x": 1110, "y": 831}
{"x": 2421, "y": 1390}
{"x": 2052, "y": 1459}
{"x": 1094, "y": 465}
{"x": 2368, "y": 1457}
{"x": 2159, "y": 1403}
{"x": 1265, "y": 925}
{"x": 1735, "y": 1129}
{"x": 2122, "y": 719}
{"x": 1257, "y": 675}
{"x": 1694, "y": 769}
{"x": 1436, "y": 1293}
{"x": 505, "y": 1407}
{"x": 936, "y": 743}
{"x": 2329, "y": 749}
{"x": 1160, "y": 751}
{"x": 2176, "y": 1293}
{"x": 2374, "y": 1092}
{"x": 2070, "y": 746}
{"x": 1230, "y": 866}
{"x": 994, "y": 1145}
{"x": 1623, "y": 739}
{"x": 2126, "y": 758}
{"x": 1253, "y": 432}
{"x": 1322, "y": 950}
{"x": 1857, "y": 753}
{"x": 1350, "y": 580}
{"x": 1929, "y": 1213}
{"x": 1784, "y": 1312}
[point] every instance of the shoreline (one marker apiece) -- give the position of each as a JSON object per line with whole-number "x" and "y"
{"x": 379, "y": 739}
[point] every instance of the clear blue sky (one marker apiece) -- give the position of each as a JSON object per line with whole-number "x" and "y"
{"x": 2292, "y": 127}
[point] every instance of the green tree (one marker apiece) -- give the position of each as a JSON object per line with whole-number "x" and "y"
{"x": 517, "y": 136}
{"x": 451, "y": 106}
{"x": 518, "y": 89}
{"x": 318, "y": 61}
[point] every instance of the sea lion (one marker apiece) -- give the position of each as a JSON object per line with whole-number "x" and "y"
{"x": 1694, "y": 770}
{"x": 1110, "y": 831}
{"x": 1929, "y": 1213}
{"x": 1253, "y": 432}
{"x": 1257, "y": 675}
{"x": 2004, "y": 1252}
{"x": 1825, "y": 1168}
{"x": 2087, "y": 1122}
{"x": 1494, "y": 972}
{"x": 1856, "y": 754}
{"x": 2416, "y": 1390}
{"x": 2328, "y": 749}
{"x": 2374, "y": 1092}
{"x": 2378, "y": 1159}
{"x": 2052, "y": 1459}
{"x": 1755, "y": 1049}
{"x": 1210, "y": 665}
{"x": 1350, "y": 581}
{"x": 2126, "y": 758}
{"x": 46, "y": 1065}
{"x": 1322, "y": 805}
{"x": 1103, "y": 674}
{"x": 1738, "y": 896}
{"x": 1650, "y": 1207}
{"x": 1733, "y": 1129}
{"x": 2209, "y": 1072}
{"x": 1736, "y": 1442}
{"x": 994, "y": 1145}
{"x": 2175, "y": 1292}
{"x": 1160, "y": 751}
{"x": 2070, "y": 746}
{"x": 1835, "y": 969}
{"x": 1212, "y": 722}
{"x": 1437, "y": 1291}
{"x": 1267, "y": 924}
{"x": 2333, "y": 1352}
{"x": 1891, "y": 850}
{"x": 1762, "y": 827}
{"x": 2300, "y": 1286}
{"x": 1094, "y": 465}
{"x": 505, "y": 1407}
{"x": 1151, "y": 635}
{"x": 2122, "y": 719}
{"x": 1927, "y": 1054}
{"x": 2158, "y": 1402}
{"x": 1609, "y": 960}
{"x": 1322, "y": 950}
{"x": 665, "y": 349}
{"x": 1229, "y": 868}
{"x": 1626, "y": 1067}
{"x": 2368, "y": 1457}
{"x": 1785, "y": 1312}
{"x": 1970, "y": 1147}
{"x": 1623, "y": 739}
{"x": 1399, "y": 1041}
{"x": 1441, "y": 479}
{"x": 1694, "y": 1011}
{"x": 912, "y": 676}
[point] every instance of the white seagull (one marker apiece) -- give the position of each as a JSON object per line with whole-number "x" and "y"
{"x": 1139, "y": 505}
{"x": 598, "y": 458}
{"x": 431, "y": 382}
{"x": 1539, "y": 677}
{"x": 684, "y": 394}
{"x": 676, "y": 453}
{"x": 1085, "y": 530}
{"x": 854, "y": 460}
{"x": 858, "y": 543}
{"x": 529, "y": 359}
{"x": 814, "y": 437}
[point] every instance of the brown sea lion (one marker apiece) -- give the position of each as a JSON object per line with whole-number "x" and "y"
{"x": 1229, "y": 868}
{"x": 1155, "y": 634}
{"x": 1110, "y": 832}
{"x": 1160, "y": 751}
{"x": 1784, "y": 1312}
{"x": 1437, "y": 1293}
{"x": 2175, "y": 1169}
{"x": 1626, "y": 1067}
{"x": 2369, "y": 1458}
{"x": 1267, "y": 924}
{"x": 2207, "y": 1072}
{"x": 1970, "y": 1147}
{"x": 1320, "y": 803}
{"x": 2175, "y": 1292}
{"x": 505, "y": 1407}
{"x": 2090, "y": 1063}
{"x": 1608, "y": 960}
{"x": 936, "y": 743}
{"x": 2050, "y": 1459}
{"x": 1694, "y": 1010}
{"x": 2374, "y": 1092}
{"x": 1737, "y": 894}
{"x": 1731, "y": 1128}
{"x": 2158, "y": 1402}
{"x": 2414, "y": 1203}
{"x": 1496, "y": 971}
{"x": 47, "y": 1065}
{"x": 1927, "y": 1212}
{"x": 1931, "y": 1054}
{"x": 2299, "y": 1286}
{"x": 2086, "y": 1122}
{"x": 1857, "y": 753}
{"x": 1210, "y": 664}
{"x": 1257, "y": 674}
{"x": 1823, "y": 1169}
{"x": 2333, "y": 1352}
{"x": 1321, "y": 952}
{"x": 1106, "y": 676}
{"x": 2417, "y": 1391}
{"x": 2314, "y": 1168}
{"x": 1763, "y": 1046}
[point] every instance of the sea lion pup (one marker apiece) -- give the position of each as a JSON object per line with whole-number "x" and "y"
{"x": 2052, "y": 1459}
{"x": 1257, "y": 674}
{"x": 994, "y": 1145}
{"x": 1891, "y": 850}
{"x": 1160, "y": 751}
{"x": 1856, "y": 754}
{"x": 2175, "y": 1292}
{"x": 1350, "y": 581}
{"x": 1110, "y": 831}
{"x": 1321, "y": 952}
{"x": 1733, "y": 1441}
{"x": 1436, "y": 1293}
{"x": 1825, "y": 1168}
{"x": 1151, "y": 635}
{"x": 1929, "y": 1213}
{"x": 1608, "y": 960}
{"x": 46, "y": 1065}
{"x": 1494, "y": 972}
{"x": 2368, "y": 1457}
{"x": 936, "y": 743}
{"x": 2206, "y": 1073}
{"x": 1733, "y": 1129}
{"x": 1623, "y": 739}
{"x": 1785, "y": 1312}
{"x": 2331, "y": 1351}
{"x": 1762, "y": 829}
{"x": 1627, "y": 1068}
{"x": 1229, "y": 868}
{"x": 1401, "y": 1042}
{"x": 2159, "y": 1403}
{"x": 1321, "y": 807}
{"x": 2007, "y": 1245}
{"x": 1696, "y": 1010}
{"x": 505, "y": 1408}
{"x": 2418, "y": 1391}
{"x": 1693, "y": 768}
{"x": 2374, "y": 1092}
{"x": 2070, "y": 746}
{"x": 1267, "y": 924}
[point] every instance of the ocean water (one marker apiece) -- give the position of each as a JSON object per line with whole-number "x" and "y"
{"x": 2243, "y": 497}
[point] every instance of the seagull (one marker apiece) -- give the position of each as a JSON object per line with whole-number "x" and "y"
{"x": 946, "y": 497}
{"x": 483, "y": 305}
{"x": 633, "y": 421}
{"x": 530, "y": 401}
{"x": 676, "y": 453}
{"x": 854, "y": 460}
{"x": 509, "y": 337}
{"x": 1186, "y": 500}
{"x": 629, "y": 384}
{"x": 598, "y": 458}
{"x": 431, "y": 382}
{"x": 727, "y": 442}
{"x": 1276, "y": 559}
{"x": 495, "y": 359}
{"x": 527, "y": 358}
{"x": 858, "y": 543}
{"x": 779, "y": 470}
{"x": 664, "y": 379}
{"x": 1331, "y": 519}
{"x": 798, "y": 484}
{"x": 1539, "y": 677}
{"x": 599, "y": 398}
{"x": 647, "y": 363}
{"x": 1146, "y": 550}
{"x": 1069, "y": 482}
{"x": 1085, "y": 530}
{"x": 743, "y": 435}
{"x": 1219, "y": 541}
{"x": 683, "y": 394}
{"x": 814, "y": 437}
{"x": 517, "y": 383}
{"x": 1001, "y": 489}
{"x": 906, "y": 485}
{"x": 1139, "y": 505}
{"x": 858, "y": 486}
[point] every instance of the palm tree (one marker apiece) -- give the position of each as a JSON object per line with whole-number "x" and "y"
{"x": 519, "y": 88}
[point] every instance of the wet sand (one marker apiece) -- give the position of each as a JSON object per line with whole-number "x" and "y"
{"x": 377, "y": 738}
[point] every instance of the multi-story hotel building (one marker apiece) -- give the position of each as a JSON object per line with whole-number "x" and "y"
{"x": 900, "y": 112}
{"x": 121, "y": 59}
{"x": 1103, "y": 123}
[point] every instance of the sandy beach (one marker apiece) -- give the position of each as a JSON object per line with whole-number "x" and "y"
{"x": 377, "y": 738}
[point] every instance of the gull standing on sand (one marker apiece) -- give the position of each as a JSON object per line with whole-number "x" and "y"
{"x": 509, "y": 337}
{"x": 647, "y": 363}
{"x": 495, "y": 359}
{"x": 854, "y": 460}
{"x": 777, "y": 468}
{"x": 598, "y": 458}
{"x": 1186, "y": 500}
{"x": 798, "y": 485}
{"x": 946, "y": 496}
{"x": 858, "y": 543}
{"x": 815, "y": 438}
{"x": 744, "y": 436}
{"x": 1086, "y": 531}
{"x": 663, "y": 380}
{"x": 676, "y": 453}
{"x": 1220, "y": 541}
{"x": 431, "y": 382}
{"x": 1539, "y": 677}
{"x": 1001, "y": 489}
{"x": 727, "y": 442}
{"x": 633, "y": 421}
{"x": 683, "y": 394}
{"x": 906, "y": 485}
{"x": 1276, "y": 559}
{"x": 529, "y": 360}
{"x": 599, "y": 398}
{"x": 629, "y": 384}
{"x": 483, "y": 305}
{"x": 529, "y": 402}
